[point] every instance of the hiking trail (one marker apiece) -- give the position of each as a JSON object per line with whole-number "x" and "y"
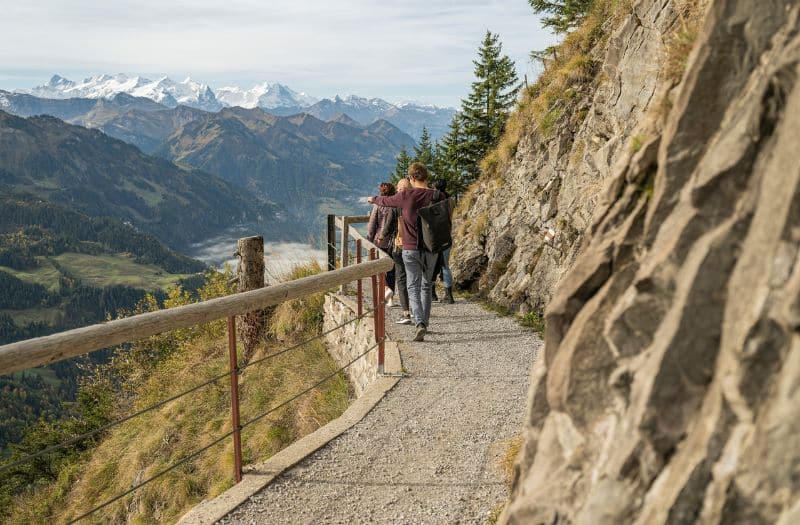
{"x": 430, "y": 451}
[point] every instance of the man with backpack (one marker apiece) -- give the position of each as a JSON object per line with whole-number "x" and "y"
{"x": 422, "y": 240}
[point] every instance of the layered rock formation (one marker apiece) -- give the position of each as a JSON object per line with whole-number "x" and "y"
{"x": 553, "y": 182}
{"x": 669, "y": 389}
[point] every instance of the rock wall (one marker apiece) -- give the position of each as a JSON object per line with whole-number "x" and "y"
{"x": 669, "y": 391}
{"x": 555, "y": 182}
{"x": 349, "y": 342}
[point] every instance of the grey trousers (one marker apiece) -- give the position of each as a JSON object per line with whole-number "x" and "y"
{"x": 420, "y": 265}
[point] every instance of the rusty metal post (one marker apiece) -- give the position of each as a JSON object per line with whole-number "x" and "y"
{"x": 380, "y": 333}
{"x": 345, "y": 249}
{"x": 374, "y": 281}
{"x": 359, "y": 286}
{"x": 237, "y": 429}
{"x": 331, "y": 242}
{"x": 377, "y": 303}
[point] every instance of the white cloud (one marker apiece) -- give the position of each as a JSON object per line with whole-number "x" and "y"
{"x": 394, "y": 49}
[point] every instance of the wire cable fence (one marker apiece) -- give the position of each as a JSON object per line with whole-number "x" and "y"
{"x": 222, "y": 438}
{"x": 77, "y": 439}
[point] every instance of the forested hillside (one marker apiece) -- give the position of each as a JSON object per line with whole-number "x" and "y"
{"x": 61, "y": 269}
{"x": 103, "y": 177}
{"x": 310, "y": 166}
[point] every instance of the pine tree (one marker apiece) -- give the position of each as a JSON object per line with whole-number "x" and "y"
{"x": 452, "y": 162}
{"x": 401, "y": 169}
{"x": 485, "y": 110}
{"x": 423, "y": 152}
{"x": 565, "y": 14}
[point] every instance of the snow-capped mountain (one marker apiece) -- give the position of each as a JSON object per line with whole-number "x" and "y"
{"x": 265, "y": 96}
{"x": 164, "y": 90}
{"x": 274, "y": 98}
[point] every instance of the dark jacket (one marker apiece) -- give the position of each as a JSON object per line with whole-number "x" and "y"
{"x": 382, "y": 227}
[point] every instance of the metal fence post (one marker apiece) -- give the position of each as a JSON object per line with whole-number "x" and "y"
{"x": 237, "y": 436}
{"x": 345, "y": 249}
{"x": 374, "y": 283}
{"x": 359, "y": 286}
{"x": 380, "y": 333}
{"x": 331, "y": 242}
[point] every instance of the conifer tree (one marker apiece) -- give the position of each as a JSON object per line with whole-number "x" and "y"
{"x": 401, "y": 168}
{"x": 564, "y": 14}
{"x": 485, "y": 110}
{"x": 452, "y": 163}
{"x": 423, "y": 152}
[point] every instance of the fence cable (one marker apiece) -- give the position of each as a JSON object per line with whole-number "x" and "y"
{"x": 221, "y": 438}
{"x": 71, "y": 441}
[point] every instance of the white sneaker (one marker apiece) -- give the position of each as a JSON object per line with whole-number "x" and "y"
{"x": 389, "y": 303}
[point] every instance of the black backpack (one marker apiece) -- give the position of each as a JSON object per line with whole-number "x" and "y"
{"x": 434, "y": 224}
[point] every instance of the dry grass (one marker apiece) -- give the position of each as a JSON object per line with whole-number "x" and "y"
{"x": 144, "y": 446}
{"x": 569, "y": 71}
{"x": 507, "y": 460}
{"x": 682, "y": 40}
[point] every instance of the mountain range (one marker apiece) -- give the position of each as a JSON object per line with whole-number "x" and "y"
{"x": 92, "y": 173}
{"x": 273, "y": 97}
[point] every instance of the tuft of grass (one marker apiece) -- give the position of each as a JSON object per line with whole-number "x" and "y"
{"x": 681, "y": 42}
{"x": 513, "y": 446}
{"x": 637, "y": 141}
{"x": 499, "y": 309}
{"x": 480, "y": 225}
{"x": 532, "y": 320}
{"x": 506, "y": 464}
{"x": 495, "y": 514}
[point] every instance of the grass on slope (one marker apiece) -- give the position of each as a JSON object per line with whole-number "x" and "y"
{"x": 116, "y": 269}
{"x": 97, "y": 270}
{"x": 45, "y": 274}
{"x": 165, "y": 365}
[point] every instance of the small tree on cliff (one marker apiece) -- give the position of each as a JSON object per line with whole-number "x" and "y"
{"x": 564, "y": 14}
{"x": 485, "y": 111}
{"x": 451, "y": 163}
{"x": 401, "y": 168}
{"x": 423, "y": 152}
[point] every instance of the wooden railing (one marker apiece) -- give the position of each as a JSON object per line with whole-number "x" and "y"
{"x": 53, "y": 348}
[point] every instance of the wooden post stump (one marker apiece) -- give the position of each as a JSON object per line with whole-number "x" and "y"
{"x": 250, "y": 271}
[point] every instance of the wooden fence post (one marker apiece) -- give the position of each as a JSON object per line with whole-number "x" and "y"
{"x": 250, "y": 271}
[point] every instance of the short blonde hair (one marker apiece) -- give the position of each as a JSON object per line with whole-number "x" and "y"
{"x": 403, "y": 184}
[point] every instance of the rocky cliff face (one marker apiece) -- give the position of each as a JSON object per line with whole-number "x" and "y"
{"x": 554, "y": 179}
{"x": 669, "y": 388}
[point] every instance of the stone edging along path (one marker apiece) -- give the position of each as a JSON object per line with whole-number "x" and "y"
{"x": 429, "y": 450}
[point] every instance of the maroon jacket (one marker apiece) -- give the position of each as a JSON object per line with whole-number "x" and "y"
{"x": 409, "y": 201}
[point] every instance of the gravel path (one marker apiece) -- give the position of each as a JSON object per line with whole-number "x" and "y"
{"x": 429, "y": 451}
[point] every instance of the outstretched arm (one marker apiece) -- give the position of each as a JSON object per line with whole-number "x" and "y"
{"x": 394, "y": 201}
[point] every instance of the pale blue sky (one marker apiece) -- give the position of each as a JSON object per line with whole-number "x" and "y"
{"x": 413, "y": 49}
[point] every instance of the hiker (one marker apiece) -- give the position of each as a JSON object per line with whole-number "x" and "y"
{"x": 443, "y": 262}
{"x": 381, "y": 230}
{"x": 401, "y": 289}
{"x": 419, "y": 262}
